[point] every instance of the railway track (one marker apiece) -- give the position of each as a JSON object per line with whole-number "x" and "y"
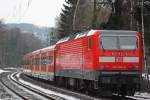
{"x": 86, "y": 96}
{"x": 22, "y": 92}
{"x": 139, "y": 97}
{"x": 77, "y": 94}
{"x": 12, "y": 90}
{"x": 12, "y": 83}
{"x": 72, "y": 94}
{"x": 5, "y": 93}
{"x": 37, "y": 91}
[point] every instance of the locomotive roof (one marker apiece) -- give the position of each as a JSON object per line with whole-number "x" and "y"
{"x": 75, "y": 36}
{"x": 117, "y": 32}
{"x": 92, "y": 32}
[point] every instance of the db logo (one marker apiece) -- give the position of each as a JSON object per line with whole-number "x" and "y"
{"x": 119, "y": 59}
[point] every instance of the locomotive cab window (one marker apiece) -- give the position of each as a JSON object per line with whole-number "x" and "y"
{"x": 118, "y": 42}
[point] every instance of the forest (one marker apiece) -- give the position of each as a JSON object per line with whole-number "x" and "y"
{"x": 82, "y": 15}
{"x": 14, "y": 44}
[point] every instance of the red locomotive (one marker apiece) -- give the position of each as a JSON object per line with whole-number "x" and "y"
{"x": 103, "y": 60}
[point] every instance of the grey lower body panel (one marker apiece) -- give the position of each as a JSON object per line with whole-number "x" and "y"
{"x": 87, "y": 75}
{"x": 98, "y": 75}
{"x": 124, "y": 77}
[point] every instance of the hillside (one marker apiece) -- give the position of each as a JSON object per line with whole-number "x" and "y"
{"x": 40, "y": 32}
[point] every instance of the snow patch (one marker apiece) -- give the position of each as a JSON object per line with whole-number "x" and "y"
{"x": 45, "y": 90}
{"x": 10, "y": 68}
{"x": 18, "y": 75}
{"x": 144, "y": 76}
{"x": 3, "y": 71}
{"x": 144, "y": 95}
{"x": 140, "y": 96}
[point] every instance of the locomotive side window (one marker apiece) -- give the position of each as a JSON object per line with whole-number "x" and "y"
{"x": 89, "y": 42}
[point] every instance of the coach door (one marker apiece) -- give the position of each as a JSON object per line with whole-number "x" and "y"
{"x": 47, "y": 65}
{"x": 50, "y": 65}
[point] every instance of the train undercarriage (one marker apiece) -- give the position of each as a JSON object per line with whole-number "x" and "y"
{"x": 118, "y": 83}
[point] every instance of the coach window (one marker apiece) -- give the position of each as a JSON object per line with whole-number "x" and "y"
{"x": 50, "y": 60}
{"x": 32, "y": 61}
{"x": 38, "y": 61}
{"x": 27, "y": 62}
{"x": 44, "y": 61}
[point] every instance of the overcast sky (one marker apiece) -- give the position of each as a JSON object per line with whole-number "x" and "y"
{"x": 38, "y": 12}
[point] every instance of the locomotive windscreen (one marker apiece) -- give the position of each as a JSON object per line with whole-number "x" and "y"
{"x": 118, "y": 42}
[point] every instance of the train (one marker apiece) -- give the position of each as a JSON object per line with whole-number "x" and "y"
{"x": 105, "y": 61}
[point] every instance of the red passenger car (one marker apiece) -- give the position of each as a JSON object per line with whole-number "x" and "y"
{"x": 26, "y": 64}
{"x": 40, "y": 63}
{"x": 109, "y": 60}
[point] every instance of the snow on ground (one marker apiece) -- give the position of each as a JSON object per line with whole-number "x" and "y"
{"x": 144, "y": 76}
{"x": 18, "y": 75}
{"x": 144, "y": 96}
{"x": 140, "y": 96}
{"x": 45, "y": 90}
{"x": 137, "y": 96}
{"x": 2, "y": 71}
{"x": 10, "y": 68}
